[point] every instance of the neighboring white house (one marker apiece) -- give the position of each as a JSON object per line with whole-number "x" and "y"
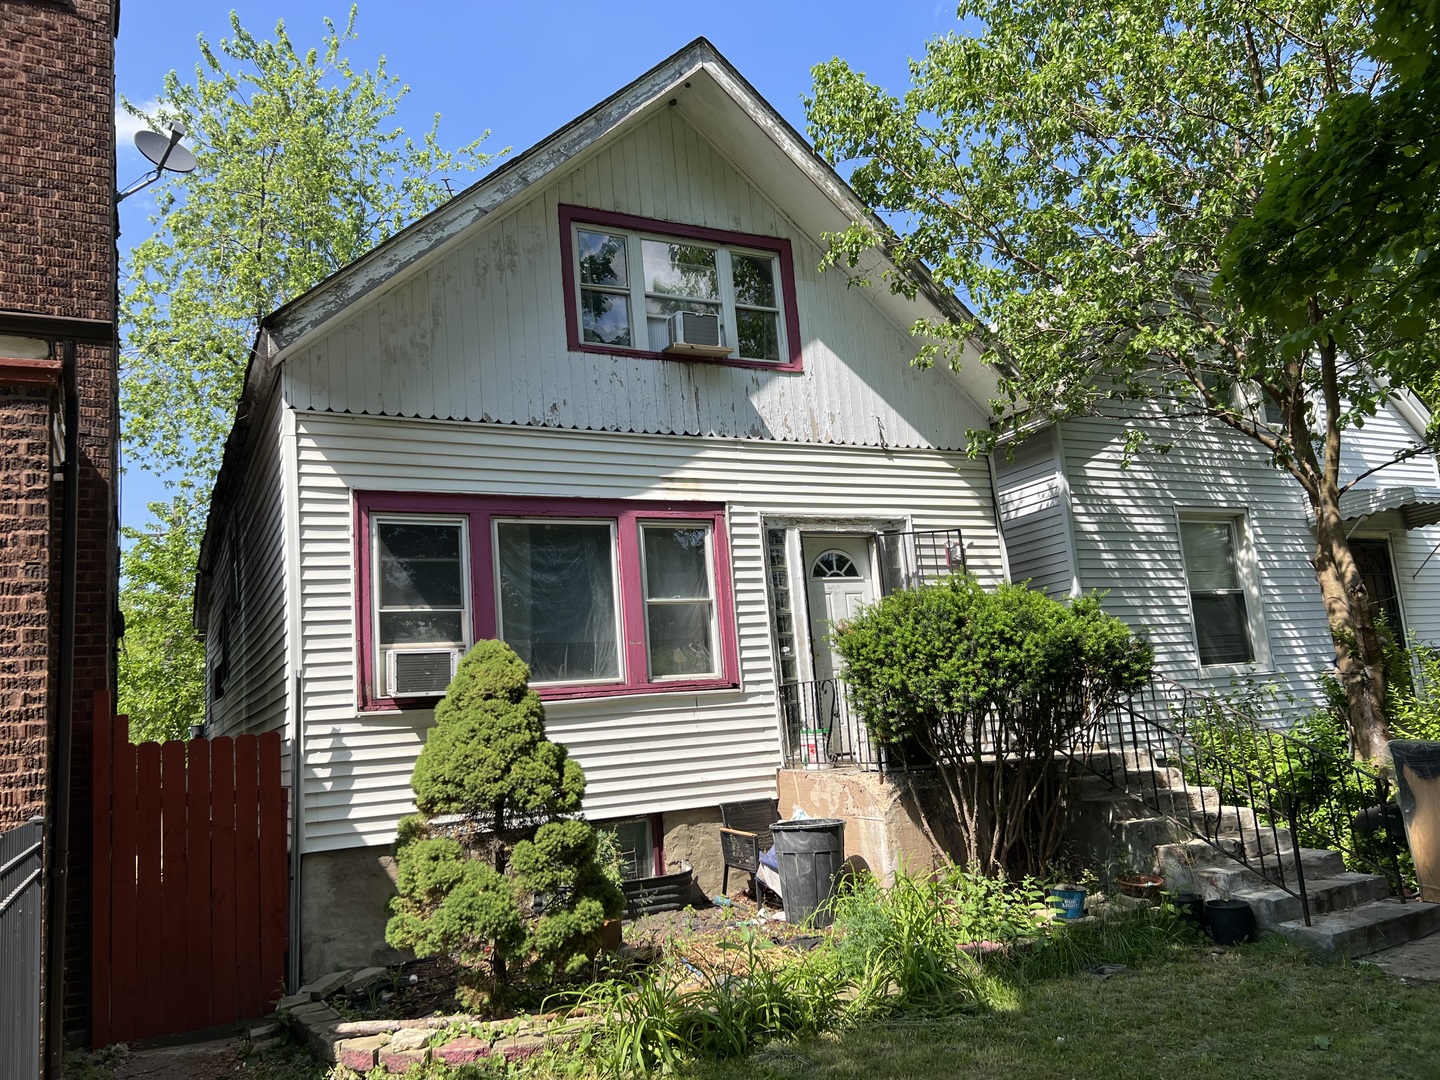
{"x": 604, "y": 405}
{"x": 1206, "y": 549}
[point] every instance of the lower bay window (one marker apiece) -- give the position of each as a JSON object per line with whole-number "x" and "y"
{"x": 596, "y": 597}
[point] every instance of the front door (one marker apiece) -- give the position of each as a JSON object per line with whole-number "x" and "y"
{"x": 839, "y": 581}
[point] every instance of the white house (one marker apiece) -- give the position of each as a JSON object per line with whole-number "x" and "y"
{"x": 604, "y": 405}
{"x": 1207, "y": 548}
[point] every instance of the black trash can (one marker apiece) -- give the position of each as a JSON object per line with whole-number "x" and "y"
{"x": 810, "y": 853}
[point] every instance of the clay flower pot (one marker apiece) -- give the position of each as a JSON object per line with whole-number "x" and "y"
{"x": 1140, "y": 886}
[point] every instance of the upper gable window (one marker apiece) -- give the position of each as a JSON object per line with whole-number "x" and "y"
{"x": 627, "y": 279}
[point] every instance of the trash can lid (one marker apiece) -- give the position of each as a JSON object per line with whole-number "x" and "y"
{"x": 804, "y": 824}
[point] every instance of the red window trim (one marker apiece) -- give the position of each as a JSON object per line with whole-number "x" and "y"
{"x": 479, "y": 509}
{"x": 570, "y": 215}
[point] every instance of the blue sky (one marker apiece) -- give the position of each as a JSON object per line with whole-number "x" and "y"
{"x": 519, "y": 69}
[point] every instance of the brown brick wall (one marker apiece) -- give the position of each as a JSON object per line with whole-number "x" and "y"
{"x": 57, "y": 257}
{"x": 57, "y": 159}
{"x": 25, "y": 601}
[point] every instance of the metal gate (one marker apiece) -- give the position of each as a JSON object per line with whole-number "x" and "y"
{"x": 20, "y": 951}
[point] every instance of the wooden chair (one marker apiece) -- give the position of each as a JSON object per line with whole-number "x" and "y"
{"x": 744, "y": 834}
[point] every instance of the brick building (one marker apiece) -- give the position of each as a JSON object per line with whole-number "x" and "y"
{"x": 59, "y": 426}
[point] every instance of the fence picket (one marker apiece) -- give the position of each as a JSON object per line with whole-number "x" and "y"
{"x": 247, "y": 884}
{"x": 223, "y": 972}
{"x": 100, "y": 873}
{"x": 197, "y": 891}
{"x": 274, "y": 865}
{"x": 149, "y": 943}
{"x": 124, "y": 926}
{"x": 173, "y": 878}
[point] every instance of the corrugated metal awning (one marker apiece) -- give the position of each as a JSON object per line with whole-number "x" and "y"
{"x": 1417, "y": 506}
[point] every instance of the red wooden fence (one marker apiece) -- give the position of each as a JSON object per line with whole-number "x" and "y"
{"x": 191, "y": 878}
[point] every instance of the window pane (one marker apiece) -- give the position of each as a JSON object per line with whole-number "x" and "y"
{"x": 637, "y": 853}
{"x": 605, "y": 317}
{"x": 759, "y": 334}
{"x": 754, "y": 278}
{"x": 1209, "y": 555}
{"x": 665, "y": 306}
{"x": 420, "y": 628}
{"x": 419, "y": 565}
{"x": 1221, "y": 628}
{"x": 602, "y": 258}
{"x": 680, "y": 640}
{"x": 557, "y": 599}
{"x": 680, "y": 269}
{"x": 675, "y": 562}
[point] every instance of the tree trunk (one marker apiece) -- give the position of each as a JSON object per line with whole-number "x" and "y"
{"x": 1359, "y": 657}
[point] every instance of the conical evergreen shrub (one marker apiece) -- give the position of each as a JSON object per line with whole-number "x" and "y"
{"x": 507, "y": 880}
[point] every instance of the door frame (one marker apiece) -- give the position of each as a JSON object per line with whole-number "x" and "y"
{"x": 797, "y": 572}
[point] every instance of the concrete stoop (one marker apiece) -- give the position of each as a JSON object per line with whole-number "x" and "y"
{"x": 1351, "y": 914}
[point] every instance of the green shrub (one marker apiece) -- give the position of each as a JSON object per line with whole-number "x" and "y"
{"x": 515, "y": 884}
{"x": 960, "y": 671}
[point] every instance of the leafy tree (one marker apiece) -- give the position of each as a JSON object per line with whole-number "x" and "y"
{"x": 1350, "y": 212}
{"x": 994, "y": 686}
{"x": 1072, "y": 170}
{"x": 300, "y": 171}
{"x": 507, "y": 874}
{"x": 162, "y": 662}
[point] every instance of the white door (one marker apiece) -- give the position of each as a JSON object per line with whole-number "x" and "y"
{"x": 839, "y": 581}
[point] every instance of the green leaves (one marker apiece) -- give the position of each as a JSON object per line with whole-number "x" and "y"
{"x": 162, "y": 661}
{"x": 300, "y": 171}
{"x": 1071, "y": 172}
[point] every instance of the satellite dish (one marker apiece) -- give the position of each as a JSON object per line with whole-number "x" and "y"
{"x": 162, "y": 151}
{"x": 165, "y": 153}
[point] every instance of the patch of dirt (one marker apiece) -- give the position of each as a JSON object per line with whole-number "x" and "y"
{"x": 200, "y": 1061}
{"x": 423, "y": 988}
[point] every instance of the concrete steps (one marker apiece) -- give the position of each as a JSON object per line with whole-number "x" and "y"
{"x": 1365, "y": 929}
{"x": 1351, "y": 913}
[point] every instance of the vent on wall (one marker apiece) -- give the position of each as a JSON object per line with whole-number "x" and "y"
{"x": 419, "y": 672}
{"x": 696, "y": 333}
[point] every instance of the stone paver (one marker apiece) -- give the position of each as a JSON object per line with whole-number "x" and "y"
{"x": 462, "y": 1051}
{"x": 1415, "y": 961}
{"x": 359, "y": 1054}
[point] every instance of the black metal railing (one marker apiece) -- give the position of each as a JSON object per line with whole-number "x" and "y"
{"x": 819, "y": 730}
{"x": 20, "y": 920}
{"x": 1258, "y": 793}
{"x": 918, "y": 557}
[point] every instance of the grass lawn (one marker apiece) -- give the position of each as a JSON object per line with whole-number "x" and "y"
{"x": 1256, "y": 1012}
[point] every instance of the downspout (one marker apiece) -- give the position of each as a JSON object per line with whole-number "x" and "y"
{"x": 58, "y": 877}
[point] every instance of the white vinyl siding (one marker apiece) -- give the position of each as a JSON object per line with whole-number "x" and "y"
{"x": 478, "y": 332}
{"x": 642, "y": 754}
{"x": 255, "y": 690}
{"x": 1035, "y": 515}
{"x": 1127, "y": 546}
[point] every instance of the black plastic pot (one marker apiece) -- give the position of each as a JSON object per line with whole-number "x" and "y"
{"x": 1231, "y": 921}
{"x": 810, "y": 853}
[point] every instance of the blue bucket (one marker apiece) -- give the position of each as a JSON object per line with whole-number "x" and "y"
{"x": 1069, "y": 902}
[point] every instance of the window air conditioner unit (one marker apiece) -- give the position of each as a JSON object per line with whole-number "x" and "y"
{"x": 696, "y": 334}
{"x": 419, "y": 672}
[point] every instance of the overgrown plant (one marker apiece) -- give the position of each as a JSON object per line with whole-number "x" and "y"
{"x": 998, "y": 686}
{"x": 718, "y": 1010}
{"x": 903, "y": 944}
{"x": 506, "y": 876}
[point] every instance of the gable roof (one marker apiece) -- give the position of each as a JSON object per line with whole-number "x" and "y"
{"x": 698, "y": 81}
{"x": 704, "y": 86}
